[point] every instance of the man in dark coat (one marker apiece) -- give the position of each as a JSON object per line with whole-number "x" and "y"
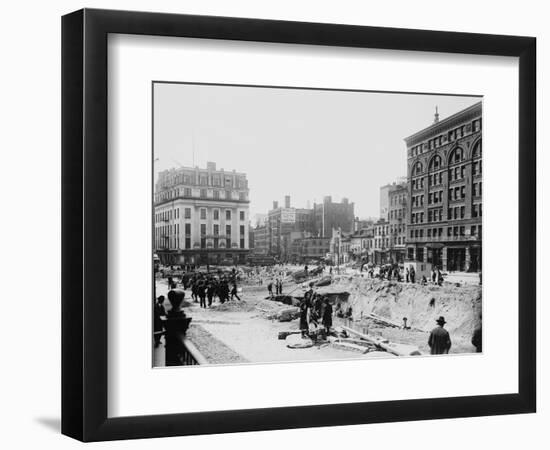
{"x": 327, "y": 315}
{"x": 305, "y": 307}
{"x": 476, "y": 337}
{"x": 159, "y": 312}
{"x": 412, "y": 274}
{"x": 439, "y": 341}
{"x": 304, "y": 326}
{"x": 224, "y": 291}
{"x": 210, "y": 292}
{"x": 201, "y": 292}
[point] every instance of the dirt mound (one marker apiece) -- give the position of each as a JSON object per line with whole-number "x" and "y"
{"x": 234, "y": 306}
{"x": 422, "y": 305}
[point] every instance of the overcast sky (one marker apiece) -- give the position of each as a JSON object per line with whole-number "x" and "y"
{"x": 302, "y": 143}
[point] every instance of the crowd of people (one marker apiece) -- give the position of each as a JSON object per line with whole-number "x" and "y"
{"x": 394, "y": 272}
{"x": 205, "y": 287}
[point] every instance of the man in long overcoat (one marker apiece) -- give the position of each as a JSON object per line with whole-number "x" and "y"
{"x": 439, "y": 341}
{"x": 327, "y": 315}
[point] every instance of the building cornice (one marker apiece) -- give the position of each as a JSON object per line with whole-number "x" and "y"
{"x": 444, "y": 125}
{"x": 200, "y": 201}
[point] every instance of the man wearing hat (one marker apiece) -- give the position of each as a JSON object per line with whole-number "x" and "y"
{"x": 439, "y": 341}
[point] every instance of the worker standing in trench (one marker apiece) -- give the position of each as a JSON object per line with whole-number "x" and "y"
{"x": 305, "y": 307}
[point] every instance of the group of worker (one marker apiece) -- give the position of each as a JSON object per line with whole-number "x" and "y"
{"x": 278, "y": 287}
{"x": 314, "y": 308}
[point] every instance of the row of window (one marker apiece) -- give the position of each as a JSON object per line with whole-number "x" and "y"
{"x": 456, "y": 212}
{"x": 435, "y": 215}
{"x": 169, "y": 230}
{"x": 204, "y": 180}
{"x": 398, "y": 199}
{"x": 442, "y": 139}
{"x": 435, "y": 179}
{"x": 168, "y": 215}
{"x": 456, "y": 156}
{"x": 385, "y": 242}
{"x": 397, "y": 213}
{"x": 435, "y": 197}
{"x": 417, "y": 200}
{"x": 476, "y": 189}
{"x": 167, "y": 236}
{"x": 457, "y": 193}
{"x": 202, "y": 193}
{"x": 454, "y": 231}
{"x": 418, "y": 183}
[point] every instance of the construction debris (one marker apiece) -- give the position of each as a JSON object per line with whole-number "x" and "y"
{"x": 297, "y": 341}
{"x": 384, "y": 344}
{"x": 285, "y": 314}
{"x": 324, "y": 281}
{"x": 384, "y": 321}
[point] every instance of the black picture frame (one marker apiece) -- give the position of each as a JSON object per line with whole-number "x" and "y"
{"x": 84, "y": 224}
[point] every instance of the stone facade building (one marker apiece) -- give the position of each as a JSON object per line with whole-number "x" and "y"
{"x": 445, "y": 208}
{"x": 201, "y": 216}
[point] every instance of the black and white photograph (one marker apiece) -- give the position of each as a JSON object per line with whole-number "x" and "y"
{"x": 301, "y": 224}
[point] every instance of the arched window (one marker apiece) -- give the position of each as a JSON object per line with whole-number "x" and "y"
{"x": 417, "y": 170}
{"x": 476, "y": 152}
{"x": 456, "y": 156}
{"x": 435, "y": 163}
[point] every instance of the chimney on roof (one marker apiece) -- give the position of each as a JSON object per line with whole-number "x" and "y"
{"x": 436, "y": 115}
{"x": 275, "y": 204}
{"x": 287, "y": 201}
{"x": 211, "y": 165}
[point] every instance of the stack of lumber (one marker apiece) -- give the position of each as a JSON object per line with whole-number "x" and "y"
{"x": 384, "y": 344}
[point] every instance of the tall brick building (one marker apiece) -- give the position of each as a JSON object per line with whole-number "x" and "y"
{"x": 445, "y": 208}
{"x": 329, "y": 216}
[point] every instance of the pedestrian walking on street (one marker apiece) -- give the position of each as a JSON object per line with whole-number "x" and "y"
{"x": 439, "y": 340}
{"x": 201, "y": 292}
{"x": 412, "y": 274}
{"x": 270, "y": 289}
{"x": 407, "y": 275}
{"x": 210, "y": 293}
{"x": 433, "y": 276}
{"x": 224, "y": 291}
{"x": 439, "y": 277}
{"x": 194, "y": 288}
{"x": 234, "y": 292}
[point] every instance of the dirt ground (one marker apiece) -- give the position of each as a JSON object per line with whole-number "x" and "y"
{"x": 239, "y": 332}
